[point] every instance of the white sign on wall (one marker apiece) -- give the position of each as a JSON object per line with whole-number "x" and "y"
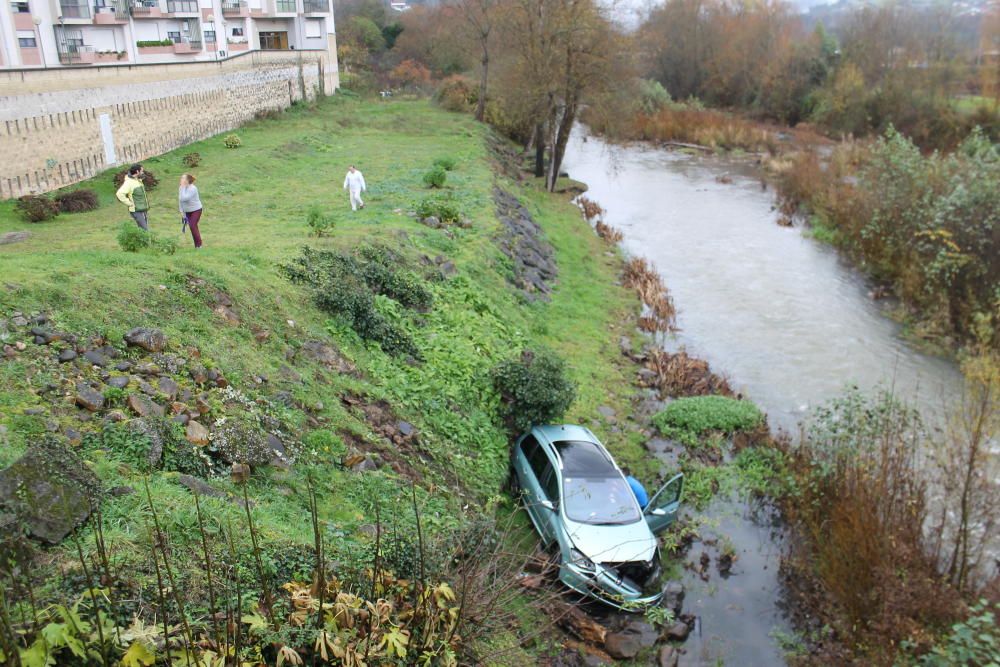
{"x": 108, "y": 138}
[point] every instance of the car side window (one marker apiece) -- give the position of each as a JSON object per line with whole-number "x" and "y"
{"x": 550, "y": 484}
{"x": 540, "y": 463}
{"x": 529, "y": 445}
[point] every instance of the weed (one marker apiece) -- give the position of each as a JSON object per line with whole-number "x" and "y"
{"x": 319, "y": 221}
{"x": 446, "y": 162}
{"x": 132, "y": 238}
{"x": 232, "y": 141}
{"x": 441, "y": 208}
{"x": 191, "y": 160}
{"x": 436, "y": 177}
{"x": 37, "y": 208}
{"x": 77, "y": 201}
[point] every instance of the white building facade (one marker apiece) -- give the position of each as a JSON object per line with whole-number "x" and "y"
{"x": 73, "y": 33}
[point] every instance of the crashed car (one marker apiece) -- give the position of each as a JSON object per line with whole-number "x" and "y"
{"x": 583, "y": 507}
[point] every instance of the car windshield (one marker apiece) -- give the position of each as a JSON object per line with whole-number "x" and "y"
{"x": 594, "y": 491}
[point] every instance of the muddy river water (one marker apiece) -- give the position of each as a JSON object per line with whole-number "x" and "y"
{"x": 781, "y": 315}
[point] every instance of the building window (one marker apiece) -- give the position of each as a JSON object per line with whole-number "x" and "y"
{"x": 209, "y": 36}
{"x": 20, "y": 8}
{"x": 28, "y": 42}
{"x": 237, "y": 32}
{"x": 314, "y": 28}
{"x": 174, "y": 36}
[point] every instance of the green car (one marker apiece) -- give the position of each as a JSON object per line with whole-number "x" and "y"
{"x": 580, "y": 503}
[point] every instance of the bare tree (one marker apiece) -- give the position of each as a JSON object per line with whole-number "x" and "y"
{"x": 480, "y": 17}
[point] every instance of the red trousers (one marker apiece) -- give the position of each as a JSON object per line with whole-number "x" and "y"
{"x": 193, "y": 218}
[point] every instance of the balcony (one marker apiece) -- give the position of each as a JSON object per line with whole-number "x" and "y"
{"x": 116, "y": 12}
{"x": 147, "y": 9}
{"x": 74, "y": 10}
{"x": 235, "y": 8}
{"x": 77, "y": 54}
{"x": 183, "y": 7}
{"x": 187, "y": 46}
{"x": 316, "y": 6}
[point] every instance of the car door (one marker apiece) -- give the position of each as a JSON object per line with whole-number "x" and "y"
{"x": 533, "y": 466}
{"x": 662, "y": 509}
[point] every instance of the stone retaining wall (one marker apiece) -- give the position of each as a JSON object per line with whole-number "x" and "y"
{"x": 58, "y": 127}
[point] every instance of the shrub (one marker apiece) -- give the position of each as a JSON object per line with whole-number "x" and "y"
{"x": 456, "y": 93}
{"x": 319, "y": 222}
{"x": 163, "y": 245}
{"x": 443, "y": 209}
{"x": 37, "y": 208}
{"x": 236, "y": 441}
{"x": 149, "y": 180}
{"x": 132, "y": 238}
{"x": 410, "y": 74}
{"x": 446, "y": 162}
{"x": 77, "y": 201}
{"x": 534, "y": 389}
{"x": 689, "y": 417}
{"x": 974, "y": 641}
{"x": 232, "y": 141}
{"x": 191, "y": 159}
{"x": 436, "y": 177}
{"x": 652, "y": 96}
{"x": 154, "y": 42}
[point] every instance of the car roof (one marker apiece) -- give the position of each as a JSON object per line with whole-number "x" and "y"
{"x": 556, "y": 432}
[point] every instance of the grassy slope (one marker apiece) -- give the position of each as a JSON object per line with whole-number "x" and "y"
{"x": 255, "y": 202}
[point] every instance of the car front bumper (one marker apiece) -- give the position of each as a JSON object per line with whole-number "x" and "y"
{"x": 602, "y": 584}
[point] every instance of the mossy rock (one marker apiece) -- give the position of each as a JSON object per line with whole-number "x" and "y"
{"x": 49, "y": 490}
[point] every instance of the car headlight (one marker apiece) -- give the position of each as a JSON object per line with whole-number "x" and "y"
{"x": 581, "y": 561}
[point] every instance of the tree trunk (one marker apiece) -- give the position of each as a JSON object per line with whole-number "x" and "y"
{"x": 540, "y": 150}
{"x": 559, "y": 144}
{"x": 481, "y": 102}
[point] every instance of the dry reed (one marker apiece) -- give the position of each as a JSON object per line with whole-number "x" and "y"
{"x": 660, "y": 314}
{"x": 678, "y": 374}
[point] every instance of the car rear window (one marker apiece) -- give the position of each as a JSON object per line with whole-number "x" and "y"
{"x": 593, "y": 490}
{"x": 584, "y": 458}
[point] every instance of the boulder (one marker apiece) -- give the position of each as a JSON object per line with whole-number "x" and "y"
{"x": 151, "y": 340}
{"x": 405, "y": 429}
{"x": 89, "y": 398}
{"x": 144, "y": 407}
{"x": 96, "y": 358}
{"x": 118, "y": 381}
{"x": 280, "y": 456}
{"x": 156, "y": 441}
{"x": 607, "y": 412}
{"x": 14, "y": 237}
{"x": 677, "y": 632}
{"x": 199, "y": 486}
{"x": 667, "y": 657}
{"x": 168, "y": 388}
{"x": 49, "y": 490}
{"x": 196, "y": 434}
{"x": 226, "y": 313}
{"x": 622, "y": 645}
{"x": 327, "y": 355}
{"x": 66, "y": 356}
{"x": 645, "y": 633}
{"x": 673, "y": 597}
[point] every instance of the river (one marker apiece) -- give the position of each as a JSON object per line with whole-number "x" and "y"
{"x": 780, "y": 314}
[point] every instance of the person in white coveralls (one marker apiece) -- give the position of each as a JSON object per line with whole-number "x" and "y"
{"x": 355, "y": 184}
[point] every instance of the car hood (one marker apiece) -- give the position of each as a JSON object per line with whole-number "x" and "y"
{"x": 613, "y": 544}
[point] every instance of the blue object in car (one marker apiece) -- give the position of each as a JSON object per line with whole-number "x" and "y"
{"x": 638, "y": 489}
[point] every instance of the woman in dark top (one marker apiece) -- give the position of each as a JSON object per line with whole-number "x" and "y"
{"x": 190, "y": 205}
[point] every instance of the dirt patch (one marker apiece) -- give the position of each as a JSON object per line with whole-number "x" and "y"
{"x": 399, "y": 443}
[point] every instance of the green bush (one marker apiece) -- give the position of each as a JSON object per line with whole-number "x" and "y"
{"x": 446, "y": 162}
{"x": 444, "y": 210}
{"x": 77, "y": 201}
{"x": 319, "y": 222}
{"x": 154, "y": 42}
{"x": 974, "y": 641}
{"x": 232, "y": 141}
{"x": 148, "y": 179}
{"x": 687, "y": 418}
{"x": 164, "y": 245}
{"x": 37, "y": 208}
{"x": 534, "y": 388}
{"x": 652, "y": 96}
{"x": 436, "y": 177}
{"x": 132, "y": 238}
{"x": 191, "y": 159}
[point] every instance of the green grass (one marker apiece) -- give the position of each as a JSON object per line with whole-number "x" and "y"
{"x": 257, "y": 201}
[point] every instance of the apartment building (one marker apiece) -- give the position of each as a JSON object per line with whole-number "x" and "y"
{"x": 73, "y": 33}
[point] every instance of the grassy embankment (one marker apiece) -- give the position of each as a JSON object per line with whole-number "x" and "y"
{"x": 256, "y": 198}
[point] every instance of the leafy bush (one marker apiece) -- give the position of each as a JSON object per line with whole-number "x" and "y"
{"x": 37, "y": 208}
{"x": 346, "y": 286}
{"x": 974, "y": 641}
{"x": 436, "y": 177}
{"x": 652, "y": 96}
{"x": 232, "y": 141}
{"x": 534, "y": 389}
{"x": 191, "y": 159}
{"x": 77, "y": 201}
{"x": 148, "y": 179}
{"x": 446, "y": 162}
{"x": 456, "y": 93}
{"x": 319, "y": 222}
{"x": 687, "y": 418}
{"x": 164, "y": 245}
{"x": 443, "y": 209}
{"x": 132, "y": 238}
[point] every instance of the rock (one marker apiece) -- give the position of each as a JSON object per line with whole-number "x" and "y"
{"x": 168, "y": 388}
{"x": 625, "y": 345}
{"x": 147, "y": 368}
{"x": 9, "y": 351}
{"x": 280, "y": 458}
{"x": 365, "y": 464}
{"x": 226, "y": 313}
{"x": 646, "y": 633}
{"x": 622, "y": 645}
{"x": 240, "y": 472}
{"x": 591, "y": 660}
{"x": 677, "y": 632}
{"x": 144, "y": 407}
{"x": 147, "y": 428}
{"x": 196, "y": 434}
{"x": 405, "y": 429}
{"x": 73, "y": 436}
{"x": 115, "y": 416}
{"x": 289, "y": 375}
{"x": 119, "y": 491}
{"x": 198, "y": 374}
{"x": 19, "y": 321}
{"x": 646, "y": 376}
{"x": 182, "y": 419}
{"x": 88, "y": 398}
{"x": 119, "y": 381}
{"x": 261, "y": 335}
{"x": 66, "y": 356}
{"x": 199, "y": 486}
{"x": 673, "y": 597}
{"x": 123, "y": 366}
{"x": 202, "y": 405}
{"x": 96, "y": 358}
{"x": 147, "y": 388}
{"x": 14, "y": 237}
{"x": 431, "y": 221}
{"x": 667, "y": 657}
{"x": 151, "y": 340}
{"x": 607, "y": 412}
{"x": 327, "y": 355}
{"x": 658, "y": 445}
{"x": 49, "y": 490}
{"x": 20, "y": 346}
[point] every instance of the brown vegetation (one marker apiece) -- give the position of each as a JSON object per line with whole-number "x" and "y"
{"x": 709, "y": 128}
{"x": 608, "y": 233}
{"x": 591, "y": 209}
{"x": 659, "y": 314}
{"x": 678, "y": 374}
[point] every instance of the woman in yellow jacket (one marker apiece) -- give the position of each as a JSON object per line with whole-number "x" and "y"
{"x": 132, "y": 193}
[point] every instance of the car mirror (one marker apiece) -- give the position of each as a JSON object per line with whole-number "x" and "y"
{"x": 658, "y": 512}
{"x": 548, "y": 504}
